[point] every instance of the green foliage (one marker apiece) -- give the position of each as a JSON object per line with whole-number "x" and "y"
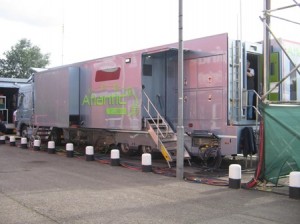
{"x": 21, "y": 58}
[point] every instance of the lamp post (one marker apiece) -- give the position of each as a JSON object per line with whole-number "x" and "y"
{"x": 180, "y": 128}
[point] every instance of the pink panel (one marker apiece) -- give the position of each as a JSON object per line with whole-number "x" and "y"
{"x": 210, "y": 108}
{"x": 190, "y": 107}
{"x": 190, "y": 74}
{"x": 115, "y": 93}
{"x": 210, "y": 71}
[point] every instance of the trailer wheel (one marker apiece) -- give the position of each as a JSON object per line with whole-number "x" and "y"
{"x": 145, "y": 149}
{"x": 55, "y": 136}
{"x": 100, "y": 147}
{"x": 126, "y": 150}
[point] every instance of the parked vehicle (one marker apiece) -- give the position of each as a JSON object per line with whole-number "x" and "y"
{"x": 130, "y": 100}
{"x": 9, "y": 90}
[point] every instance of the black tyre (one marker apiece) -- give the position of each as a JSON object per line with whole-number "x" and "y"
{"x": 24, "y": 131}
{"x": 55, "y": 136}
{"x": 126, "y": 150}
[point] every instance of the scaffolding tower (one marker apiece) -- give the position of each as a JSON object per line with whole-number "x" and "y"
{"x": 268, "y": 14}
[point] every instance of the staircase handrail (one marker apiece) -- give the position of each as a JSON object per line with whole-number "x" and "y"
{"x": 147, "y": 108}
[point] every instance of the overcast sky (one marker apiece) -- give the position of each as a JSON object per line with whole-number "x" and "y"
{"x": 98, "y": 28}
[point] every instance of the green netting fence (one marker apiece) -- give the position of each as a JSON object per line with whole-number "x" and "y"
{"x": 281, "y": 140}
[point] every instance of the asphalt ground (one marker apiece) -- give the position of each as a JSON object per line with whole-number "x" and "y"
{"x": 38, "y": 187}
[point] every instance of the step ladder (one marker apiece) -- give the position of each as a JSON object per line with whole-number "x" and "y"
{"x": 162, "y": 134}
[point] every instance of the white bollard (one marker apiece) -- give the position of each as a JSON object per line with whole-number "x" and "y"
{"x": 24, "y": 143}
{"x": 146, "y": 162}
{"x": 294, "y": 185}
{"x": 70, "y": 150}
{"x": 12, "y": 140}
{"x": 89, "y": 153}
{"x": 115, "y": 157}
{"x": 51, "y": 147}
{"x": 2, "y": 139}
{"x": 235, "y": 175}
{"x": 37, "y": 145}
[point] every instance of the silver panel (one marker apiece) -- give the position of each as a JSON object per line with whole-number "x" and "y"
{"x": 74, "y": 90}
{"x": 55, "y": 97}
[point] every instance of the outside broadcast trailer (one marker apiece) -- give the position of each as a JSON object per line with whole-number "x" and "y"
{"x": 130, "y": 100}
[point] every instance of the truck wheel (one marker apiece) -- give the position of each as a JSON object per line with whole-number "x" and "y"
{"x": 24, "y": 131}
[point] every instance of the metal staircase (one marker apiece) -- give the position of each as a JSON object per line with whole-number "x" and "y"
{"x": 161, "y": 133}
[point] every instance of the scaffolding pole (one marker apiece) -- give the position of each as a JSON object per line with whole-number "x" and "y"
{"x": 267, "y": 31}
{"x": 267, "y": 6}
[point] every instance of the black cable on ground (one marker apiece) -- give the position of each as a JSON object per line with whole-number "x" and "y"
{"x": 131, "y": 166}
{"x": 166, "y": 171}
{"x": 209, "y": 181}
{"x": 102, "y": 159}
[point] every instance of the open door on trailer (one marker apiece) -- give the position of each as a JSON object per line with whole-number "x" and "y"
{"x": 243, "y": 89}
{"x": 159, "y": 80}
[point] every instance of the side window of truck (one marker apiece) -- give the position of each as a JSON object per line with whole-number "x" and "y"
{"x": 20, "y": 100}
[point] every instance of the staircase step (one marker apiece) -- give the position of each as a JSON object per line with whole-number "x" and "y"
{"x": 167, "y": 137}
{"x": 167, "y": 141}
{"x": 154, "y": 121}
{"x": 161, "y": 127}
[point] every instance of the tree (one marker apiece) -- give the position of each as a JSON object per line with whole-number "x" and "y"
{"x": 21, "y": 58}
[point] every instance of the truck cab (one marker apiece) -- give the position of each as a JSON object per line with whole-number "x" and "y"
{"x": 9, "y": 90}
{"x": 24, "y": 112}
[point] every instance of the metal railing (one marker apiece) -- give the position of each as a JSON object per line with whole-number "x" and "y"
{"x": 156, "y": 117}
{"x": 258, "y": 99}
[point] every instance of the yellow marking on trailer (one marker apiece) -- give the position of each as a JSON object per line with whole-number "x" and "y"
{"x": 165, "y": 153}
